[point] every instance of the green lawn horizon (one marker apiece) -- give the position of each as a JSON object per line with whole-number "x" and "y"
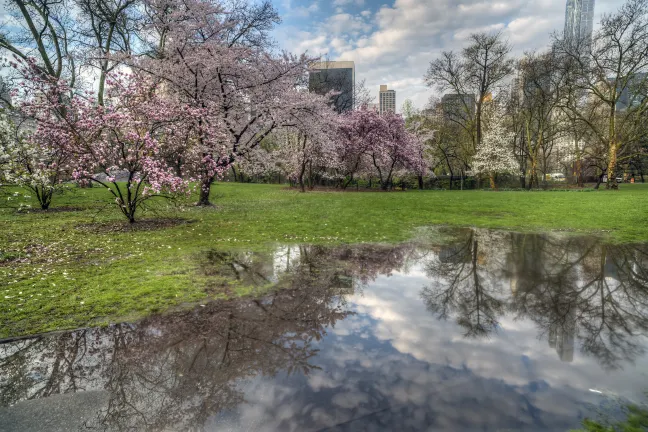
{"x": 82, "y": 265}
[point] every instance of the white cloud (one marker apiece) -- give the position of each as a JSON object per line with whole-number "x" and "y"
{"x": 346, "y": 23}
{"x": 395, "y": 44}
{"x": 303, "y": 11}
{"x": 348, "y": 2}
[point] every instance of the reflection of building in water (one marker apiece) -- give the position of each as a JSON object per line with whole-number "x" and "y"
{"x": 562, "y": 337}
{"x": 611, "y": 270}
{"x": 514, "y": 285}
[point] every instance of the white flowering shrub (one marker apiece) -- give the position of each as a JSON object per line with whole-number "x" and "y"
{"x": 29, "y": 162}
{"x": 494, "y": 155}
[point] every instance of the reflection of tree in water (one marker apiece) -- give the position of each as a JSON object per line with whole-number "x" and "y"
{"x": 174, "y": 371}
{"x": 574, "y": 289}
{"x": 464, "y": 287}
{"x": 307, "y": 264}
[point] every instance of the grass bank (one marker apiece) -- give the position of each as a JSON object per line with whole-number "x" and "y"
{"x": 77, "y": 265}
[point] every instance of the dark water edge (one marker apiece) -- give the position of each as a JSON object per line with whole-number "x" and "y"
{"x": 467, "y": 330}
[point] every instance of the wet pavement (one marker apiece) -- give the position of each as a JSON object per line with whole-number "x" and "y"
{"x": 467, "y": 330}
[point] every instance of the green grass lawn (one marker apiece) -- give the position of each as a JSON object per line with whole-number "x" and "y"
{"x": 63, "y": 269}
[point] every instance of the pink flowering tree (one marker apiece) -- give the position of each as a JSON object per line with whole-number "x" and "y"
{"x": 45, "y": 118}
{"x": 359, "y": 132}
{"x": 118, "y": 145}
{"x": 395, "y": 149}
{"x": 122, "y": 143}
{"x": 307, "y": 139}
{"x": 377, "y": 145}
{"x": 239, "y": 93}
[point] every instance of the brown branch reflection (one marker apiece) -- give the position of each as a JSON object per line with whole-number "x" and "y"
{"x": 175, "y": 371}
{"x": 463, "y": 287}
{"x": 578, "y": 291}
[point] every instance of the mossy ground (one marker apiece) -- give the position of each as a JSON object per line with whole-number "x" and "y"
{"x": 83, "y": 265}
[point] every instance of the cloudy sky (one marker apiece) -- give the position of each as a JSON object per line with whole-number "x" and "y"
{"x": 393, "y": 41}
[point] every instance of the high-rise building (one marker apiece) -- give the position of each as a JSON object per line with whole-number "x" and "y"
{"x": 579, "y": 21}
{"x": 387, "y": 100}
{"x": 632, "y": 94}
{"x": 562, "y": 337}
{"x": 338, "y": 76}
{"x": 458, "y": 107}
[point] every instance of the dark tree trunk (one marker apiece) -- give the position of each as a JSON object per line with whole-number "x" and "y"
{"x": 420, "y": 182}
{"x": 300, "y": 178}
{"x": 599, "y": 181}
{"x": 579, "y": 173}
{"x": 205, "y": 189}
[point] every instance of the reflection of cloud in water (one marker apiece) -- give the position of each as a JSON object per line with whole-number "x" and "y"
{"x": 490, "y": 331}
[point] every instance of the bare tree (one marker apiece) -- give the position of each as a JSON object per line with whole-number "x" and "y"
{"x": 250, "y": 24}
{"x": 110, "y": 28}
{"x": 42, "y": 32}
{"x": 610, "y": 73}
{"x": 539, "y": 85}
{"x": 478, "y": 70}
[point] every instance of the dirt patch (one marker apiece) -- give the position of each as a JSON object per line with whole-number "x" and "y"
{"x": 142, "y": 225}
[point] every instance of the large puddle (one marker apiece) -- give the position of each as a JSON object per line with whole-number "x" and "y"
{"x": 481, "y": 331}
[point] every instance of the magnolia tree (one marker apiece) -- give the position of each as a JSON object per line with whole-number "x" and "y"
{"x": 74, "y": 137}
{"x": 494, "y": 155}
{"x": 35, "y": 164}
{"x": 38, "y": 153}
{"x": 8, "y": 144}
{"x": 128, "y": 135}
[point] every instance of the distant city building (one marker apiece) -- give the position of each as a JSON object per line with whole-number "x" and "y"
{"x": 387, "y": 100}
{"x": 562, "y": 337}
{"x": 458, "y": 107}
{"x": 635, "y": 92}
{"x": 534, "y": 79}
{"x": 373, "y": 107}
{"x": 338, "y": 76}
{"x": 579, "y": 21}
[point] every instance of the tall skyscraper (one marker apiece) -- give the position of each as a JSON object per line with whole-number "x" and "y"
{"x": 387, "y": 100}
{"x": 579, "y": 21}
{"x": 458, "y": 107}
{"x": 338, "y": 76}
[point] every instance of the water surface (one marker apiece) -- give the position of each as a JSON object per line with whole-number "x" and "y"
{"x": 474, "y": 330}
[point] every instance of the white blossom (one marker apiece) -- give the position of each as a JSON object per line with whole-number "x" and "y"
{"x": 494, "y": 154}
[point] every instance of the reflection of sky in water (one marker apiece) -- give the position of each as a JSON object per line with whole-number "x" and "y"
{"x": 493, "y": 331}
{"x": 393, "y": 365}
